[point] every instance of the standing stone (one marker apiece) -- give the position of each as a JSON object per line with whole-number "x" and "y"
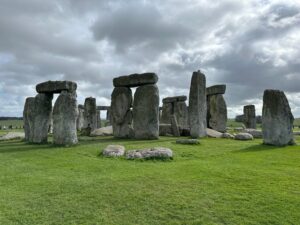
{"x": 216, "y": 112}
{"x": 121, "y": 102}
{"x": 90, "y": 113}
{"x": 65, "y": 113}
{"x": 197, "y": 105}
{"x": 146, "y": 112}
{"x": 80, "y": 118}
{"x": 249, "y": 116}
{"x": 277, "y": 119}
{"x": 28, "y": 118}
{"x": 41, "y": 117}
{"x": 167, "y": 111}
{"x": 181, "y": 113}
{"x": 98, "y": 119}
{"x": 174, "y": 125}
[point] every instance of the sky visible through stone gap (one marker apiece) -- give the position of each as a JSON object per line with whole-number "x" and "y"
{"x": 249, "y": 45}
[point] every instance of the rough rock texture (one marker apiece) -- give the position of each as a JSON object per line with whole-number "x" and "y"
{"x": 197, "y": 105}
{"x": 114, "y": 151}
{"x": 12, "y": 136}
{"x": 103, "y": 131}
{"x": 135, "y": 80}
{"x": 56, "y": 86}
{"x": 165, "y": 129}
{"x": 65, "y": 113}
{"x": 80, "y": 118}
{"x": 227, "y": 135}
{"x": 167, "y": 111}
{"x": 175, "y": 127}
{"x": 188, "y": 141}
{"x": 216, "y": 112}
{"x": 181, "y": 98}
{"x": 121, "y": 101}
{"x": 243, "y": 136}
{"x": 213, "y": 133}
{"x": 249, "y": 116}
{"x": 146, "y": 112}
{"x": 216, "y": 89}
{"x": 181, "y": 113}
{"x": 108, "y": 114}
{"x": 98, "y": 119}
{"x": 28, "y": 118}
{"x": 253, "y": 132}
{"x": 90, "y": 113}
{"x": 277, "y": 119}
{"x": 152, "y": 153}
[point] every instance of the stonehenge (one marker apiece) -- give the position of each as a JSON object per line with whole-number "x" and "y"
{"x": 38, "y": 111}
{"x": 90, "y": 114}
{"x": 142, "y": 121}
{"x": 197, "y": 105}
{"x": 80, "y": 118}
{"x": 249, "y": 116}
{"x": 277, "y": 119}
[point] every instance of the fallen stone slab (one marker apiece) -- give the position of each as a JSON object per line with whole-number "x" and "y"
{"x": 181, "y": 98}
{"x": 216, "y": 89}
{"x": 188, "y": 141}
{"x": 243, "y": 136}
{"x": 103, "y": 131}
{"x": 114, "y": 151}
{"x": 213, "y": 133}
{"x": 56, "y": 86}
{"x": 227, "y": 136}
{"x": 255, "y": 133}
{"x": 151, "y": 153}
{"x": 12, "y": 136}
{"x": 135, "y": 80}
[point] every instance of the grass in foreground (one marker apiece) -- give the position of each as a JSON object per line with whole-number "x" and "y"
{"x": 217, "y": 182}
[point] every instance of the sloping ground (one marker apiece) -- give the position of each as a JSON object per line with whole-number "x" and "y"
{"x": 217, "y": 182}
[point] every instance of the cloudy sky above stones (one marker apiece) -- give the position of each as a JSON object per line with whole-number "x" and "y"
{"x": 248, "y": 45}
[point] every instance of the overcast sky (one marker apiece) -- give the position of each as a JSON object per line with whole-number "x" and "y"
{"x": 248, "y": 45}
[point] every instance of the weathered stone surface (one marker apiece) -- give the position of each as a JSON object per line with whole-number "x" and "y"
{"x": 243, "y": 136}
{"x": 146, "y": 112}
{"x": 213, "y": 133}
{"x": 277, "y": 119}
{"x": 103, "y": 107}
{"x": 181, "y": 113}
{"x": 80, "y": 118}
{"x": 227, "y": 136}
{"x": 255, "y": 133}
{"x": 28, "y": 118}
{"x": 103, "y": 131}
{"x": 90, "y": 113}
{"x": 165, "y": 129}
{"x": 167, "y": 111}
{"x": 86, "y": 131}
{"x": 197, "y": 105}
{"x": 65, "y": 113}
{"x": 175, "y": 127}
{"x": 12, "y": 136}
{"x": 152, "y": 153}
{"x": 114, "y": 151}
{"x": 135, "y": 80}
{"x": 188, "y": 141}
{"x": 108, "y": 114}
{"x": 249, "y": 116}
{"x": 98, "y": 119}
{"x": 121, "y": 101}
{"x": 216, "y": 90}
{"x": 56, "y": 86}
{"x": 216, "y": 112}
{"x": 239, "y": 118}
{"x": 181, "y": 98}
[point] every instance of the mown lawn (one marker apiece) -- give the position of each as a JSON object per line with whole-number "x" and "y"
{"x": 217, "y": 182}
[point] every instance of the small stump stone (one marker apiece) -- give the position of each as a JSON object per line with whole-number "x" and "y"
{"x": 243, "y": 137}
{"x": 151, "y": 153}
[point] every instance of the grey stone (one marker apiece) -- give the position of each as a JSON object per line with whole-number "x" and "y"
{"x": 152, "y": 153}
{"x": 28, "y": 118}
{"x": 239, "y": 118}
{"x": 181, "y": 113}
{"x": 216, "y": 112}
{"x": 121, "y": 102}
{"x": 12, "y": 136}
{"x": 213, "y": 133}
{"x": 146, "y": 112}
{"x": 103, "y": 131}
{"x": 165, "y": 129}
{"x": 181, "y": 98}
{"x": 227, "y": 136}
{"x": 167, "y": 111}
{"x": 174, "y": 125}
{"x": 65, "y": 113}
{"x": 56, "y": 86}
{"x": 135, "y": 80}
{"x": 114, "y": 151}
{"x": 243, "y": 136}
{"x": 98, "y": 119}
{"x": 86, "y": 131}
{"x": 255, "y": 133}
{"x": 108, "y": 114}
{"x": 80, "y": 118}
{"x": 277, "y": 119}
{"x": 90, "y": 113}
{"x": 197, "y": 105}
{"x": 188, "y": 141}
{"x": 216, "y": 89}
{"x": 249, "y": 116}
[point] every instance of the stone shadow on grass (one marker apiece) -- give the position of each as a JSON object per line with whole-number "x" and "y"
{"x": 258, "y": 148}
{"x": 21, "y": 146}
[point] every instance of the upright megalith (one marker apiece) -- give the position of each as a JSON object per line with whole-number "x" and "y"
{"x": 65, "y": 113}
{"x": 121, "y": 102}
{"x": 98, "y": 119}
{"x": 216, "y": 112}
{"x": 80, "y": 118}
{"x": 28, "y": 118}
{"x": 146, "y": 112}
{"x": 249, "y": 116}
{"x": 197, "y": 105}
{"x": 90, "y": 113}
{"x": 277, "y": 119}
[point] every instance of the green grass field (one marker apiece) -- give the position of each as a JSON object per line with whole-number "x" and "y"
{"x": 217, "y": 182}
